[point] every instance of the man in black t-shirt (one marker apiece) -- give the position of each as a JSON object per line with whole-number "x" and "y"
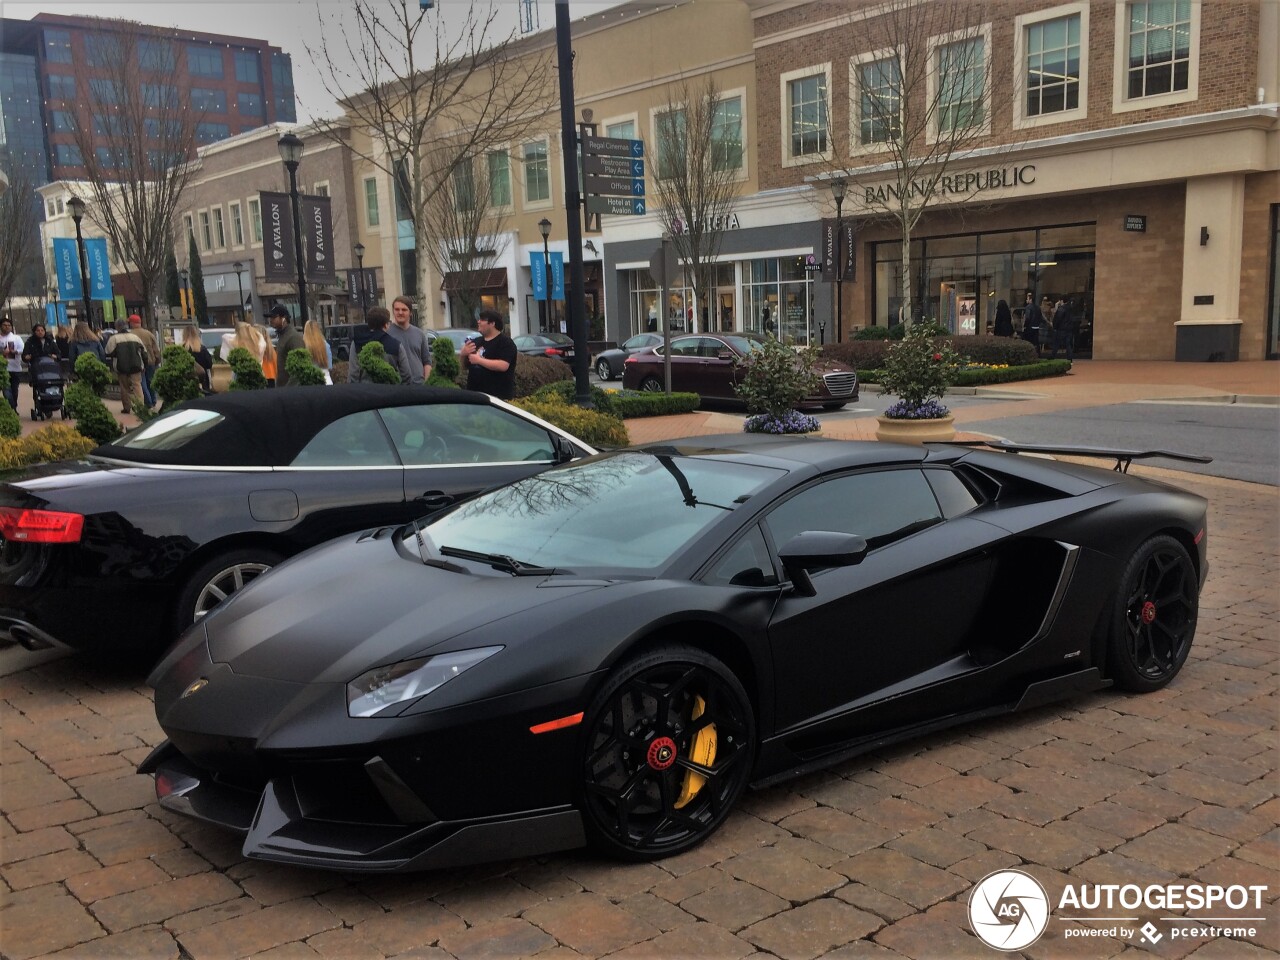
{"x": 490, "y": 359}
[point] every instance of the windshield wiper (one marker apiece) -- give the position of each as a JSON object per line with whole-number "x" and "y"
{"x": 499, "y": 561}
{"x": 426, "y": 550}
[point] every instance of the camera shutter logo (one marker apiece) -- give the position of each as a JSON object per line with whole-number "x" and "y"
{"x": 1008, "y": 910}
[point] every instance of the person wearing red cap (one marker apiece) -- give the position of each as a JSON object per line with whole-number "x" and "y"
{"x": 152, "y": 348}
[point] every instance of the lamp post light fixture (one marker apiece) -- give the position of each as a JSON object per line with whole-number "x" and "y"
{"x": 544, "y": 227}
{"x": 838, "y": 187}
{"x": 360, "y": 278}
{"x": 76, "y": 205}
{"x": 185, "y": 276}
{"x": 238, "y": 267}
{"x": 291, "y": 153}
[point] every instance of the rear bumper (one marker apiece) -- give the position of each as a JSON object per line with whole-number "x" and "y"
{"x": 276, "y": 824}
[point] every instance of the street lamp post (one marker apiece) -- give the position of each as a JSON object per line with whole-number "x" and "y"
{"x": 838, "y": 187}
{"x": 185, "y": 276}
{"x": 238, "y": 267}
{"x": 544, "y": 227}
{"x": 291, "y": 153}
{"x": 77, "y": 214}
{"x": 364, "y": 310}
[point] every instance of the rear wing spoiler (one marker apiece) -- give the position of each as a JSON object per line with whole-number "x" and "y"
{"x": 1123, "y": 458}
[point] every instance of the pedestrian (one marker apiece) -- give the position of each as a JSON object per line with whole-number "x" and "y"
{"x": 1004, "y": 320}
{"x": 38, "y": 345}
{"x": 288, "y": 339}
{"x": 244, "y": 335}
{"x": 200, "y": 354}
{"x": 490, "y": 359}
{"x": 375, "y": 330}
{"x": 152, "y": 348}
{"x": 11, "y": 348}
{"x": 413, "y": 341}
{"x": 1064, "y": 330}
{"x": 84, "y": 340}
{"x": 271, "y": 362}
{"x": 1032, "y": 323}
{"x": 131, "y": 359}
{"x": 62, "y": 337}
{"x": 318, "y": 347}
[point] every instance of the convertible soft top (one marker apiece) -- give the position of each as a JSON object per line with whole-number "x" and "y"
{"x": 267, "y": 428}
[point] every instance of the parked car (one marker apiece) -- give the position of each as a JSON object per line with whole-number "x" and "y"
{"x": 553, "y": 346}
{"x": 609, "y": 362}
{"x": 708, "y": 364}
{"x": 455, "y": 335}
{"x": 144, "y": 537}
{"x": 610, "y": 651}
{"x": 338, "y": 336}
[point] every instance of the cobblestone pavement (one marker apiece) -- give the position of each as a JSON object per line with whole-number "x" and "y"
{"x": 874, "y": 859}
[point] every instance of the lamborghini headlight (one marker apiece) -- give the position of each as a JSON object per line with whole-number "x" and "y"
{"x": 381, "y": 687}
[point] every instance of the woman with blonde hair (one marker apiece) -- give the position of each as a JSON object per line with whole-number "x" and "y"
{"x": 318, "y": 347}
{"x": 204, "y": 363}
{"x": 245, "y": 336}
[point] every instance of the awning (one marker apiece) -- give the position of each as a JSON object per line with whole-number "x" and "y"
{"x": 495, "y": 279}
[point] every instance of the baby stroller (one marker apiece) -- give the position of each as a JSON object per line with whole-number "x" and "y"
{"x": 46, "y": 387}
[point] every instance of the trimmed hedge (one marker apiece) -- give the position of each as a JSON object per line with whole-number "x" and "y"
{"x": 57, "y": 442}
{"x": 534, "y": 373}
{"x": 592, "y": 426}
{"x": 869, "y": 355}
{"x": 630, "y": 404}
{"x": 984, "y": 377}
{"x": 246, "y": 370}
{"x": 302, "y": 370}
{"x": 92, "y": 417}
{"x": 175, "y": 380}
{"x": 10, "y": 424}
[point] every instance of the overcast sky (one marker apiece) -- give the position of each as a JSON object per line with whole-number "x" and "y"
{"x": 292, "y": 25}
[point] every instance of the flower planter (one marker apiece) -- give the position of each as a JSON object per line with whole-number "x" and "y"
{"x": 915, "y": 431}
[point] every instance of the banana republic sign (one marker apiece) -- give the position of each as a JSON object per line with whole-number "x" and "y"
{"x": 315, "y": 214}
{"x": 964, "y": 184}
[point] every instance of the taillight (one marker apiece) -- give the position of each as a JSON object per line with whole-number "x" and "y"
{"x": 40, "y": 526}
{"x": 552, "y": 352}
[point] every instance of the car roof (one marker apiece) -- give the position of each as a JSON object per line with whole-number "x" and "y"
{"x": 268, "y": 428}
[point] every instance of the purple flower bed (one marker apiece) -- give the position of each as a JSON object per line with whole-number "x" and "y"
{"x": 792, "y": 422}
{"x": 929, "y": 410}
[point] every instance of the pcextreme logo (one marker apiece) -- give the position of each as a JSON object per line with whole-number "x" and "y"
{"x": 1009, "y": 910}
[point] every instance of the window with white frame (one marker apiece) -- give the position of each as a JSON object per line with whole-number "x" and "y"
{"x": 206, "y": 231}
{"x": 1051, "y": 49}
{"x": 237, "y": 224}
{"x": 255, "y": 219}
{"x": 960, "y": 70}
{"x": 219, "y": 229}
{"x": 188, "y": 229}
{"x": 726, "y": 134}
{"x": 875, "y": 87}
{"x": 537, "y": 172}
{"x": 499, "y": 169}
{"x": 806, "y": 114}
{"x": 321, "y": 189}
{"x": 1159, "y": 48}
{"x": 371, "y": 216}
{"x": 670, "y": 142}
{"x": 622, "y": 129}
{"x": 464, "y": 187}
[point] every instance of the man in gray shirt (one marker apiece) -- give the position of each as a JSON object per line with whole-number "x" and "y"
{"x": 414, "y": 345}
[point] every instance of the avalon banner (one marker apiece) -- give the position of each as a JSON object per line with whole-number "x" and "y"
{"x": 95, "y": 251}
{"x": 66, "y": 263}
{"x": 317, "y": 231}
{"x": 277, "y": 237}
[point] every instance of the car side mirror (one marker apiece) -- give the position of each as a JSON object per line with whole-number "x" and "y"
{"x": 564, "y": 450}
{"x": 813, "y": 549}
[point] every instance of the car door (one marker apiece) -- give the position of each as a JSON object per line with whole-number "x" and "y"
{"x": 883, "y": 631}
{"x": 453, "y": 450}
{"x": 686, "y": 365}
{"x": 718, "y": 372}
{"x": 348, "y": 477}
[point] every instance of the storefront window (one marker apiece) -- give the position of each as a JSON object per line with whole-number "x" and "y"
{"x": 647, "y": 306}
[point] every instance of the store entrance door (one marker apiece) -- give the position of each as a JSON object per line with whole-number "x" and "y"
{"x": 958, "y": 306}
{"x": 726, "y": 309}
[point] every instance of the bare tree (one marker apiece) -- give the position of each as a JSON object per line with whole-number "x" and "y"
{"x": 19, "y": 225}
{"x": 136, "y": 133}
{"x": 475, "y": 89}
{"x": 465, "y": 230}
{"x": 918, "y": 109}
{"x": 698, "y": 171}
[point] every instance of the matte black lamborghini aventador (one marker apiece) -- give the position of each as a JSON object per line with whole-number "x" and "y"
{"x": 610, "y": 651}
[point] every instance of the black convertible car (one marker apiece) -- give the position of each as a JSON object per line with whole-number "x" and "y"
{"x": 609, "y": 651}
{"x": 152, "y": 531}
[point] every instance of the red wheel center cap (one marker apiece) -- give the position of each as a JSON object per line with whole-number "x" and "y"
{"x": 662, "y": 753}
{"x": 1148, "y": 612}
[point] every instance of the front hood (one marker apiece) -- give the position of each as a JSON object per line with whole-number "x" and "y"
{"x": 357, "y": 602}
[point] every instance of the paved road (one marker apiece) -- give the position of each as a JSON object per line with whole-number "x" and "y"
{"x": 873, "y": 860}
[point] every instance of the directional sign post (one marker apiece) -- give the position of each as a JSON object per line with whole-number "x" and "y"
{"x": 617, "y": 186}
{"x": 613, "y": 147}
{"x": 612, "y": 166}
{"x": 616, "y": 206}
{"x": 613, "y": 173}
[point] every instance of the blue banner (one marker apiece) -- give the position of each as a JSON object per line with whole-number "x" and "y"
{"x": 538, "y": 274}
{"x": 557, "y": 276}
{"x": 66, "y": 264}
{"x": 55, "y": 315}
{"x": 95, "y": 252}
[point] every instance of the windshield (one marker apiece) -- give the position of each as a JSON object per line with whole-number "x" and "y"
{"x": 631, "y": 511}
{"x": 170, "y": 431}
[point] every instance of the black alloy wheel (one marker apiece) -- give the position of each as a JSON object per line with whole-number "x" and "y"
{"x": 1155, "y": 613}
{"x": 603, "y": 370}
{"x": 669, "y": 745}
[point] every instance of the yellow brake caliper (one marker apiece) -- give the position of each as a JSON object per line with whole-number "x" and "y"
{"x": 702, "y": 752}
